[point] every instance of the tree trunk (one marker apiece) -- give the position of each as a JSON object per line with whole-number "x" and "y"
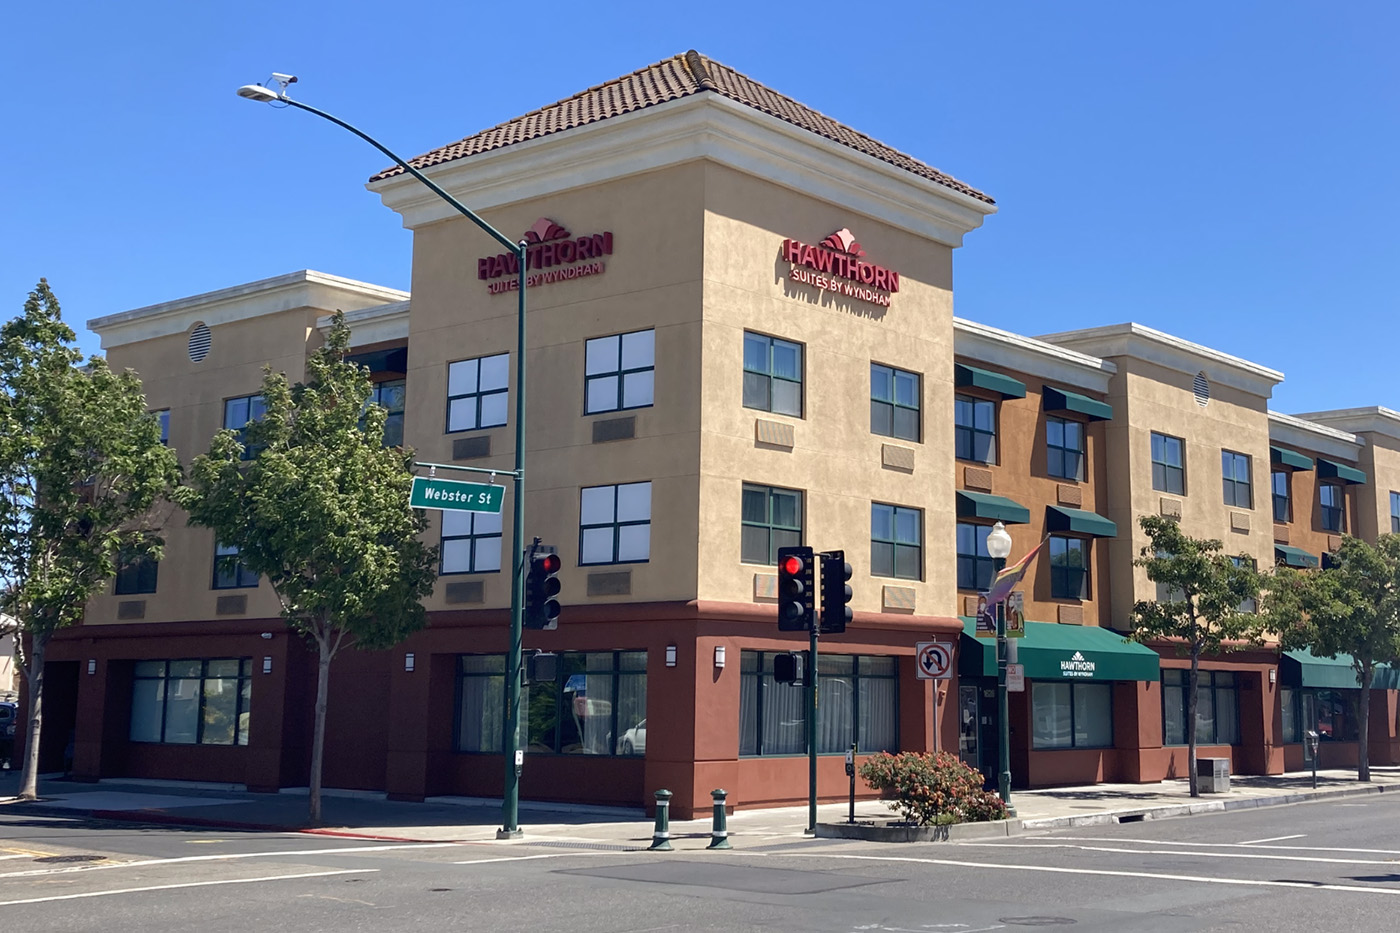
{"x": 1363, "y": 722}
{"x": 318, "y": 741}
{"x": 1191, "y": 683}
{"x": 34, "y": 674}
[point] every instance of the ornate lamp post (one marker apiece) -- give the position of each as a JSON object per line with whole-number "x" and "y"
{"x": 999, "y": 547}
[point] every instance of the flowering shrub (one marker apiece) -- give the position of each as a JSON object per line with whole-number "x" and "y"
{"x": 934, "y": 789}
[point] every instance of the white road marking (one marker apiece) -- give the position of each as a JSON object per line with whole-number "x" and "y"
{"x": 187, "y": 884}
{"x": 1244, "y": 882}
{"x": 1255, "y": 842}
{"x": 16, "y": 856}
{"x": 1246, "y": 855}
{"x": 145, "y": 863}
{"x": 517, "y": 858}
{"x": 1211, "y": 845}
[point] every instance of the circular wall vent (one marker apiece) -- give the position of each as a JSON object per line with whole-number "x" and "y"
{"x": 1201, "y": 386}
{"x": 200, "y": 340}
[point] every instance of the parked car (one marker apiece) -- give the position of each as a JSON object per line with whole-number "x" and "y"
{"x": 634, "y": 740}
{"x": 9, "y": 720}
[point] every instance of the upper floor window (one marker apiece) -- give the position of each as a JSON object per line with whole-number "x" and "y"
{"x": 471, "y": 542}
{"x": 1249, "y": 604}
{"x": 1283, "y": 502}
{"x": 772, "y": 375}
{"x": 478, "y": 392}
{"x": 1235, "y": 477}
{"x": 1168, "y": 464}
{"x": 136, "y": 575}
{"x": 974, "y": 563}
{"x": 771, "y": 518}
{"x": 1333, "y": 498}
{"x": 894, "y": 402}
{"x": 1064, "y": 448}
{"x": 1395, "y": 513}
{"x": 238, "y": 414}
{"x": 896, "y": 542}
{"x": 615, "y": 524}
{"x": 1069, "y": 568}
{"x": 163, "y": 419}
{"x": 229, "y": 572}
{"x": 619, "y": 371}
{"x": 389, "y": 396}
{"x": 974, "y": 429}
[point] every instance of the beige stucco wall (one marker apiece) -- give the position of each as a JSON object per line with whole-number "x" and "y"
{"x": 1380, "y": 460}
{"x": 835, "y": 460}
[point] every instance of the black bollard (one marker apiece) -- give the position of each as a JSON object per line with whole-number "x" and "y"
{"x": 719, "y": 835}
{"x": 661, "y": 836}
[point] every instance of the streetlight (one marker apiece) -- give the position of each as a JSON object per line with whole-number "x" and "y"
{"x": 999, "y": 547}
{"x": 510, "y": 799}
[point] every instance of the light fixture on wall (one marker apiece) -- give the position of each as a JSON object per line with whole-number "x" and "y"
{"x": 408, "y": 662}
{"x": 266, "y": 636}
{"x": 267, "y": 665}
{"x": 670, "y": 655}
{"x": 1273, "y": 675}
{"x": 92, "y": 665}
{"x": 719, "y": 655}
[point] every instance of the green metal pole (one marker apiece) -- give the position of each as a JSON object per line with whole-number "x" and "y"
{"x": 812, "y": 732}
{"x": 1003, "y": 715}
{"x": 510, "y": 800}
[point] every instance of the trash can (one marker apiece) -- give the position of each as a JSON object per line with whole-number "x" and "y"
{"x": 1213, "y": 775}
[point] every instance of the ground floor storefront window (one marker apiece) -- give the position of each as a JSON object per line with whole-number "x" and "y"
{"x": 1070, "y": 715}
{"x": 857, "y": 702}
{"x": 1217, "y": 707}
{"x": 192, "y": 701}
{"x": 596, "y": 705}
{"x": 1333, "y": 714}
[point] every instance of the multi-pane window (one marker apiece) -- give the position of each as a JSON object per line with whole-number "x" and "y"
{"x": 1168, "y": 464}
{"x": 1064, "y": 448}
{"x": 1235, "y": 478}
{"x": 596, "y": 705}
{"x": 1217, "y": 707}
{"x": 1069, "y": 568}
{"x": 771, "y": 518}
{"x": 619, "y": 371}
{"x": 1333, "y": 498}
{"x": 229, "y": 572}
{"x": 974, "y": 429}
{"x": 974, "y": 563}
{"x": 857, "y": 702}
{"x": 389, "y": 396}
{"x": 238, "y": 414}
{"x": 894, "y": 402}
{"x": 1283, "y": 503}
{"x": 477, "y": 392}
{"x": 772, "y": 375}
{"x": 471, "y": 542}
{"x": 1249, "y": 604}
{"x": 1395, "y": 513}
{"x": 1070, "y": 715}
{"x": 896, "y": 542}
{"x": 136, "y": 575}
{"x": 192, "y": 702}
{"x": 615, "y": 524}
{"x": 163, "y": 419}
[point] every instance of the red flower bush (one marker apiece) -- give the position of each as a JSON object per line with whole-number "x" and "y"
{"x": 934, "y": 789}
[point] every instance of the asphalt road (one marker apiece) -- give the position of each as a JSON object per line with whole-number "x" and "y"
{"x": 1321, "y": 866}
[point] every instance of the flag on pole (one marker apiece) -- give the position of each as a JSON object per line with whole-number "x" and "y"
{"x": 1004, "y": 582}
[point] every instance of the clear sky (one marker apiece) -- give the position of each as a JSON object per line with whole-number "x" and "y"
{"x": 1224, "y": 171}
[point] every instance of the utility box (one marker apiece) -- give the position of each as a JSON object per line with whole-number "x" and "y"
{"x": 1213, "y": 775}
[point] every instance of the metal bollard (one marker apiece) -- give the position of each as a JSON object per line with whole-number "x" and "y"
{"x": 719, "y": 835}
{"x": 661, "y": 836}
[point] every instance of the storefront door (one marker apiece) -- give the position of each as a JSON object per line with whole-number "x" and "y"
{"x": 977, "y": 728}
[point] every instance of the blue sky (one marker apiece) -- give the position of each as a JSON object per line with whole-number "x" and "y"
{"x": 1224, "y": 171}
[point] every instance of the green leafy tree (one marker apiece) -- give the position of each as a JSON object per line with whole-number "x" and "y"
{"x": 322, "y": 511}
{"x": 1351, "y": 607}
{"x": 1204, "y": 613}
{"x": 81, "y": 469}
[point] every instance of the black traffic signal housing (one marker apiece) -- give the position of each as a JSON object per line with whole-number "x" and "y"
{"x": 796, "y": 589}
{"x": 541, "y": 592}
{"x": 836, "y": 592}
{"x": 788, "y": 668}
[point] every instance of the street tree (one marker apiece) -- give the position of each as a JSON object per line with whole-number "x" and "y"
{"x": 314, "y": 501}
{"x": 82, "y": 473}
{"x": 1206, "y": 606}
{"x": 1351, "y": 607}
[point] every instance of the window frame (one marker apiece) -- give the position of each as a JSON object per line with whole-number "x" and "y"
{"x": 1285, "y": 498}
{"x": 970, "y": 430}
{"x": 894, "y": 542}
{"x": 1207, "y": 680}
{"x": 478, "y": 394}
{"x": 1231, "y": 484}
{"x": 768, "y": 524}
{"x": 395, "y": 416}
{"x": 243, "y": 678}
{"x": 1167, "y": 469}
{"x": 473, "y": 537}
{"x": 763, "y": 673}
{"x": 893, "y": 404}
{"x": 240, "y": 432}
{"x": 977, "y": 558}
{"x": 130, "y": 578}
{"x": 769, "y": 374}
{"x": 620, "y": 373}
{"x": 1395, "y": 513}
{"x": 239, "y": 573}
{"x": 1339, "y": 510}
{"x": 1060, "y": 576}
{"x": 1074, "y": 690}
{"x": 616, "y": 525}
{"x": 163, "y": 419}
{"x": 1064, "y": 450}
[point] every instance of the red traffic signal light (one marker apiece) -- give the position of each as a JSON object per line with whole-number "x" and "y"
{"x": 541, "y": 592}
{"x": 791, "y": 565}
{"x": 796, "y": 595}
{"x": 549, "y": 563}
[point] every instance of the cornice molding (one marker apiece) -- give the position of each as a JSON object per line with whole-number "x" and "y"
{"x": 372, "y": 325}
{"x": 1296, "y": 432}
{"x": 1053, "y": 363}
{"x": 1371, "y": 419}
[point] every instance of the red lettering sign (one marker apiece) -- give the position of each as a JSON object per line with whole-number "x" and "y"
{"x": 548, "y": 245}
{"x": 837, "y": 258}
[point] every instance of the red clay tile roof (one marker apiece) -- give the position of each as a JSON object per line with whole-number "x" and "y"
{"x": 674, "y": 78}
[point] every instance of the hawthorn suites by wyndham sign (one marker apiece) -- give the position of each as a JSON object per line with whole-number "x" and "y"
{"x": 557, "y": 255}
{"x": 837, "y": 264}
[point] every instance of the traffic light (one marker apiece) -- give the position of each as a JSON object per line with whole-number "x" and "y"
{"x": 836, "y": 592}
{"x": 541, "y": 588}
{"x": 796, "y": 582}
{"x": 788, "y": 668}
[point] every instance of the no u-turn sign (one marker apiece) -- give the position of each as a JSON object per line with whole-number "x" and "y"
{"x": 935, "y": 660}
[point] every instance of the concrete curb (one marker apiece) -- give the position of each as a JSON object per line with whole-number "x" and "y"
{"x": 893, "y": 833}
{"x": 1196, "y": 807}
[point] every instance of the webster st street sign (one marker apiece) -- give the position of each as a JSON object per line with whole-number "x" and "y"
{"x": 455, "y": 496}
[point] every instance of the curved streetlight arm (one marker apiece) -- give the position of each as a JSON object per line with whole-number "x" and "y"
{"x": 498, "y": 236}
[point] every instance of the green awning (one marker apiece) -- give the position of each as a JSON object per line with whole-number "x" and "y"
{"x": 1059, "y": 518}
{"x": 1064, "y": 400}
{"x": 1305, "y": 669}
{"x": 1331, "y": 469}
{"x": 964, "y": 375}
{"x": 992, "y": 508}
{"x": 1289, "y": 458}
{"x": 1294, "y": 556}
{"x": 1051, "y": 651}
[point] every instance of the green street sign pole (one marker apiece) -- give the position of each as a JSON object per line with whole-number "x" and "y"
{"x": 510, "y": 802}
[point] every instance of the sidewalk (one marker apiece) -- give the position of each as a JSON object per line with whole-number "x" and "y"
{"x": 366, "y": 815}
